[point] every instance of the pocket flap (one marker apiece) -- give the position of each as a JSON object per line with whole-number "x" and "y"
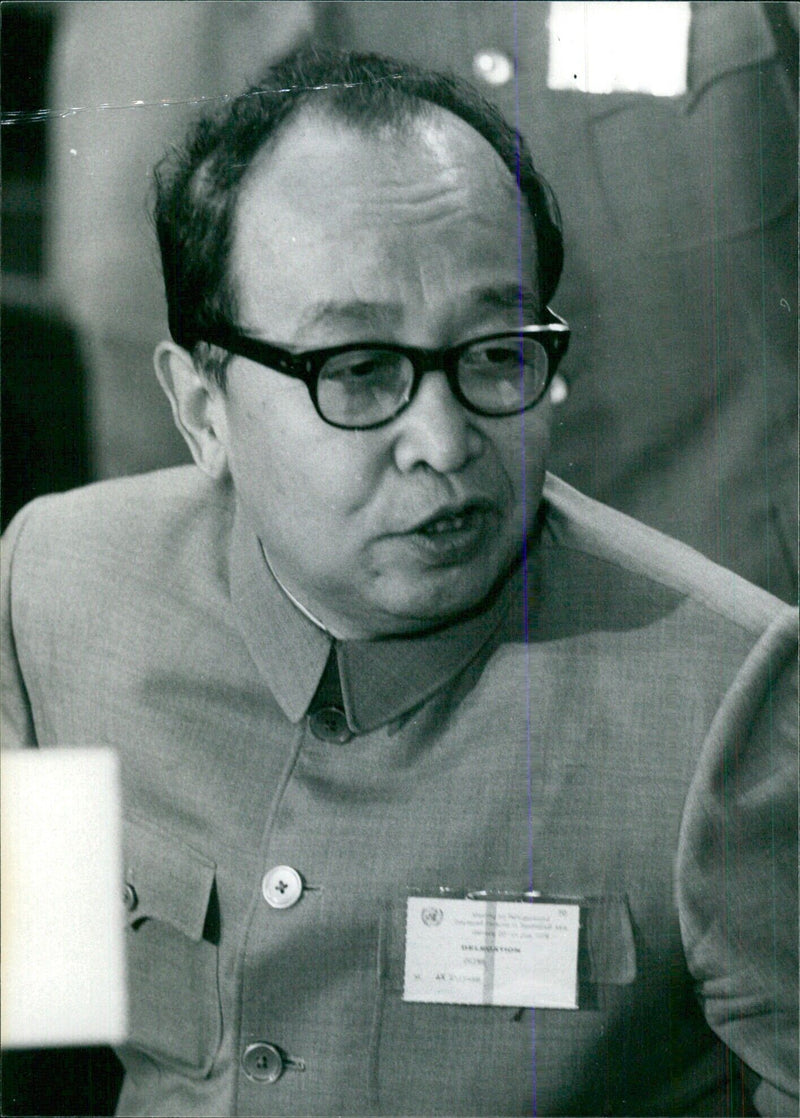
{"x": 165, "y": 879}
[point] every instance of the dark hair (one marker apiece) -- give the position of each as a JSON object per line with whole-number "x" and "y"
{"x": 197, "y": 187}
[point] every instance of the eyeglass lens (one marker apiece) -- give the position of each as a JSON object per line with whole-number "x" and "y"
{"x": 367, "y": 386}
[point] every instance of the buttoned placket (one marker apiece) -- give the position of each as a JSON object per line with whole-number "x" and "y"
{"x": 306, "y": 890}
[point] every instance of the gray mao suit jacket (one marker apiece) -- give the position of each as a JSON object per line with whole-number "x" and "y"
{"x": 615, "y": 729}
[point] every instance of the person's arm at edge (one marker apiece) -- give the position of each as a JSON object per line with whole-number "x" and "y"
{"x": 16, "y": 721}
{"x": 737, "y": 869}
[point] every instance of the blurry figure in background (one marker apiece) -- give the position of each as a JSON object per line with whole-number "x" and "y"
{"x": 114, "y": 63}
{"x": 680, "y": 226}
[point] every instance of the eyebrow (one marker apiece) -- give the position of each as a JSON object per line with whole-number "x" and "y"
{"x": 356, "y": 312}
{"x": 360, "y": 313}
{"x": 509, "y": 297}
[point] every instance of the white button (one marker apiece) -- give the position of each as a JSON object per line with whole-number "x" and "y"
{"x": 263, "y": 1062}
{"x": 493, "y": 67}
{"x": 282, "y": 887}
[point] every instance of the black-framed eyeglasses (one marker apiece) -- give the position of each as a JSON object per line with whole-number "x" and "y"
{"x": 360, "y": 386}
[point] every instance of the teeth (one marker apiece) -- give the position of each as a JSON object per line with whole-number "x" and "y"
{"x": 446, "y": 524}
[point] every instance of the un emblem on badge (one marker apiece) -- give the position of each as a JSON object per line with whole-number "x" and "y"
{"x": 432, "y": 916}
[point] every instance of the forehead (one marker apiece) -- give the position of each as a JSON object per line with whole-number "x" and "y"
{"x": 332, "y": 212}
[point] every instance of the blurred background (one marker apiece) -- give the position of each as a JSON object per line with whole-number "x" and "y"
{"x": 679, "y": 198}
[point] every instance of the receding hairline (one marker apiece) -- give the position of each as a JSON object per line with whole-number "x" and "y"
{"x": 401, "y": 126}
{"x": 198, "y": 184}
{"x": 258, "y": 172}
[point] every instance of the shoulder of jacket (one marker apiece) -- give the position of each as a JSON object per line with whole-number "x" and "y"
{"x": 125, "y": 516}
{"x": 576, "y": 523}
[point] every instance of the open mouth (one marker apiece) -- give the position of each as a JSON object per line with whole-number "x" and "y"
{"x": 451, "y": 523}
{"x": 454, "y": 535}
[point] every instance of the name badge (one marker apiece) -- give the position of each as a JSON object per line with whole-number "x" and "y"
{"x": 479, "y": 952}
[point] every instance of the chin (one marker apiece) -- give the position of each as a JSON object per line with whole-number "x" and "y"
{"x": 446, "y": 604}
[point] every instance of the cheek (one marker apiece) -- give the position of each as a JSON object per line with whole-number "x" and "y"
{"x": 537, "y": 436}
{"x": 263, "y": 468}
{"x": 302, "y": 470}
{"x": 255, "y": 457}
{"x": 521, "y": 443}
{"x": 345, "y": 475}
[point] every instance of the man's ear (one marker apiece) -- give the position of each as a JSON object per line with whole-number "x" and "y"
{"x": 559, "y": 390}
{"x": 198, "y": 407}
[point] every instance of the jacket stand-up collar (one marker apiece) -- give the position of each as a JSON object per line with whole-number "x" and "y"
{"x": 380, "y": 680}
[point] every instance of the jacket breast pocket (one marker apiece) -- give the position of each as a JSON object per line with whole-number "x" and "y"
{"x": 443, "y": 1058}
{"x": 173, "y": 989}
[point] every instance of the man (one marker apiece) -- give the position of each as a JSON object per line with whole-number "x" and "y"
{"x": 446, "y": 789}
{"x": 696, "y": 390}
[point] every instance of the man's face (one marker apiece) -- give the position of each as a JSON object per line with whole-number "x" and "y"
{"x": 422, "y": 240}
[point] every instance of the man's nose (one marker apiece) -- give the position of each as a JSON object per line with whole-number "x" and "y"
{"x": 435, "y": 430}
